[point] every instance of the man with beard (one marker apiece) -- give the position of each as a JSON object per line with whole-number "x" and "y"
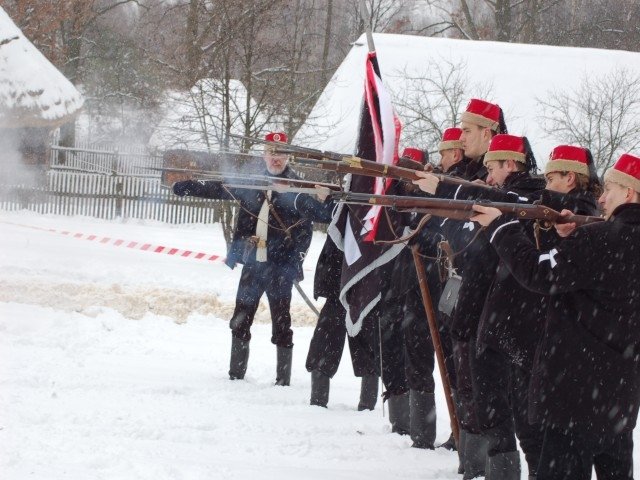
{"x": 271, "y": 238}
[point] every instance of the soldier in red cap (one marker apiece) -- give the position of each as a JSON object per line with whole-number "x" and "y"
{"x": 488, "y": 437}
{"x": 509, "y": 326}
{"x": 585, "y": 386}
{"x": 415, "y": 154}
{"x": 271, "y": 238}
{"x": 451, "y": 151}
{"x": 418, "y": 346}
{"x": 480, "y": 122}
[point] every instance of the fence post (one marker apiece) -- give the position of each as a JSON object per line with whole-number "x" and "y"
{"x": 114, "y": 162}
{"x": 119, "y": 199}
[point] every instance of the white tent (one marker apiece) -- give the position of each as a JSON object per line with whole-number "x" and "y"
{"x": 516, "y": 74}
{"x": 33, "y": 93}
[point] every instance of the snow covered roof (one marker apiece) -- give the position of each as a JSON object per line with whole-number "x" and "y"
{"x": 193, "y": 119}
{"x": 516, "y": 73}
{"x": 33, "y": 93}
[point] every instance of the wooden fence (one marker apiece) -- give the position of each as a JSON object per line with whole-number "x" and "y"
{"x": 103, "y": 181}
{"x": 97, "y": 182}
{"x": 63, "y": 192}
{"x": 129, "y": 161}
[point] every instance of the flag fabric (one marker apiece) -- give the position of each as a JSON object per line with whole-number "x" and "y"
{"x": 354, "y": 227}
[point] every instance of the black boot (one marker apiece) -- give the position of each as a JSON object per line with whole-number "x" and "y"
{"x": 422, "y": 414}
{"x": 503, "y": 466}
{"x": 368, "y": 392}
{"x": 283, "y": 369}
{"x": 399, "y": 413}
{"x": 319, "y": 388}
{"x": 450, "y": 444}
{"x": 239, "y": 358}
{"x": 475, "y": 455}
{"x": 462, "y": 447}
{"x": 503, "y": 460}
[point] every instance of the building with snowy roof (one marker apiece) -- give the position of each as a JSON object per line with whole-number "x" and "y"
{"x": 35, "y": 96}
{"x": 512, "y": 75}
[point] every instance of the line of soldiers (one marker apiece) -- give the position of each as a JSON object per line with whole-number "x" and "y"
{"x": 539, "y": 331}
{"x": 545, "y": 338}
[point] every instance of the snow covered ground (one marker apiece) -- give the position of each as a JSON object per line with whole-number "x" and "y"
{"x": 113, "y": 365}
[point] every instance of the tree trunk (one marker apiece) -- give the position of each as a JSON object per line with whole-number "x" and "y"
{"x": 192, "y": 44}
{"x": 503, "y": 20}
{"x": 531, "y": 22}
{"x": 473, "y": 31}
{"x": 327, "y": 40}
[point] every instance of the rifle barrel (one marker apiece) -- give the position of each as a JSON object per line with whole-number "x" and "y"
{"x": 227, "y": 176}
{"x": 463, "y": 209}
{"x": 366, "y": 167}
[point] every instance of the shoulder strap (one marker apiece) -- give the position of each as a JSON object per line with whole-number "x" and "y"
{"x": 445, "y": 262}
{"x": 283, "y": 226}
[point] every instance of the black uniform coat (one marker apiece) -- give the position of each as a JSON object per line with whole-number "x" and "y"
{"x": 586, "y": 373}
{"x": 478, "y": 261}
{"x": 326, "y": 282}
{"x": 285, "y": 251}
{"x": 510, "y": 321}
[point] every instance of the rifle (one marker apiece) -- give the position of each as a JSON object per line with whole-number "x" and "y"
{"x": 341, "y": 163}
{"x": 463, "y": 209}
{"x": 360, "y": 166}
{"x": 252, "y": 180}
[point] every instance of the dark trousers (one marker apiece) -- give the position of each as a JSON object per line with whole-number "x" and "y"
{"x": 327, "y": 343}
{"x": 529, "y": 435}
{"x": 386, "y": 319}
{"x": 467, "y": 415}
{"x": 491, "y": 380}
{"x": 571, "y": 455}
{"x": 256, "y": 279}
{"x": 501, "y": 395}
{"x": 419, "y": 349}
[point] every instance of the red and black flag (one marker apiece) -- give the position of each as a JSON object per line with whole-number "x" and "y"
{"x": 355, "y": 227}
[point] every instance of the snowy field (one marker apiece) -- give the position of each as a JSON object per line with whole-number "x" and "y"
{"x": 114, "y": 362}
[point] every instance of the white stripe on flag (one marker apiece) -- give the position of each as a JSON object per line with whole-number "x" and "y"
{"x": 351, "y": 249}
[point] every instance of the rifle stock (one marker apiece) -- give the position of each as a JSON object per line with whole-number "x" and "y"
{"x": 348, "y": 163}
{"x": 463, "y": 209}
{"x": 359, "y": 166}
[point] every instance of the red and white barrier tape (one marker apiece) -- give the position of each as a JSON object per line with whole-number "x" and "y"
{"x": 118, "y": 242}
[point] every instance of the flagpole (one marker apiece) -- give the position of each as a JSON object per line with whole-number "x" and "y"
{"x": 368, "y": 31}
{"x": 372, "y": 48}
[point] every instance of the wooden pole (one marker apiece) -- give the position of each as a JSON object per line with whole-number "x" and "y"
{"x": 435, "y": 337}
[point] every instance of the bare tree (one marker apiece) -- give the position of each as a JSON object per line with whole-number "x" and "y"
{"x": 63, "y": 32}
{"x": 433, "y": 100}
{"x": 501, "y": 20}
{"x": 611, "y": 24}
{"x": 603, "y": 114}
